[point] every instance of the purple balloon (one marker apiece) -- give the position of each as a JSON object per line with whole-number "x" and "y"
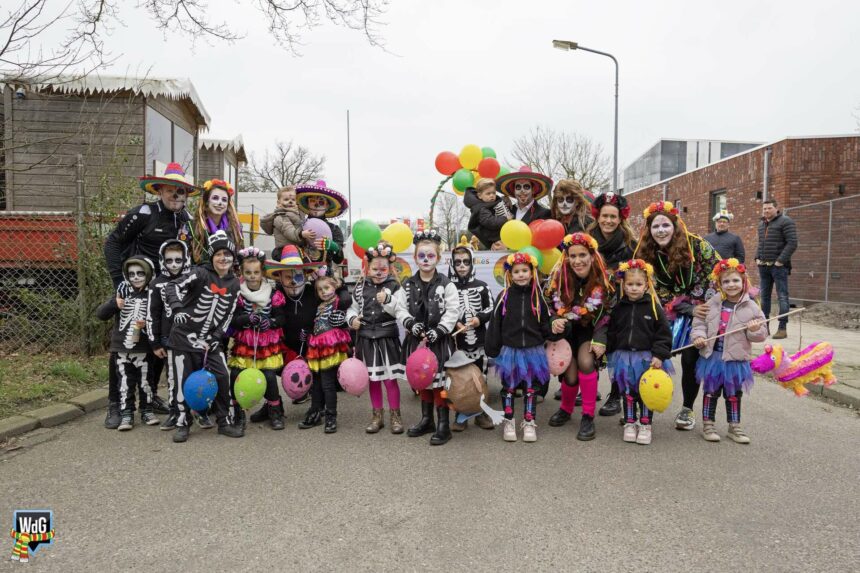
{"x": 318, "y": 226}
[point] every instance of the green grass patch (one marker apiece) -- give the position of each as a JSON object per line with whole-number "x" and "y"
{"x": 32, "y": 381}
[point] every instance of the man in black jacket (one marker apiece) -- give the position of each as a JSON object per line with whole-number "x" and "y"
{"x": 526, "y": 187}
{"x": 727, "y": 244}
{"x": 777, "y": 241}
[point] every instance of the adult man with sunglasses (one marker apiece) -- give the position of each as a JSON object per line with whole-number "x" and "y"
{"x": 526, "y": 187}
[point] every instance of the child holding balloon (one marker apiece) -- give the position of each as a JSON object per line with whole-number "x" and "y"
{"x": 322, "y": 203}
{"x": 639, "y": 338}
{"x": 257, "y": 333}
{"x": 377, "y": 342}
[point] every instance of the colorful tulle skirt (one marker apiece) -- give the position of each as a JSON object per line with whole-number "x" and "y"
{"x": 732, "y": 376}
{"x": 626, "y": 367}
{"x": 267, "y": 344}
{"x": 327, "y": 350}
{"x": 681, "y": 328}
{"x": 522, "y": 365}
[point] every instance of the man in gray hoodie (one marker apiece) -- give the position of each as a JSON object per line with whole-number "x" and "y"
{"x": 777, "y": 241}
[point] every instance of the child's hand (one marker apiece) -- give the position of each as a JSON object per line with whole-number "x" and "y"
{"x": 699, "y": 343}
{"x": 700, "y": 311}
{"x": 597, "y": 349}
{"x": 355, "y": 323}
{"x": 461, "y": 326}
{"x": 160, "y": 352}
{"x": 558, "y": 325}
{"x": 382, "y": 297}
{"x": 656, "y": 363}
{"x": 120, "y": 303}
{"x": 309, "y": 236}
{"x": 474, "y": 322}
{"x": 754, "y": 325}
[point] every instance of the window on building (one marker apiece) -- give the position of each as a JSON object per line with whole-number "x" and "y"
{"x": 229, "y": 173}
{"x": 718, "y": 202}
{"x": 183, "y": 149}
{"x": 167, "y": 142}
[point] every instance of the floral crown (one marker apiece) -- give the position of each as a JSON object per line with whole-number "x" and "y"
{"x": 610, "y": 199}
{"x": 382, "y": 250}
{"x": 626, "y": 266}
{"x": 520, "y": 259}
{"x": 665, "y": 207}
{"x": 582, "y": 239}
{"x": 428, "y": 235}
{"x": 251, "y": 253}
{"x": 727, "y": 265}
{"x": 218, "y": 184}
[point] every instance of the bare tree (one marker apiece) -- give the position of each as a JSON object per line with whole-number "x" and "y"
{"x": 286, "y": 164}
{"x": 450, "y": 217}
{"x": 563, "y": 155}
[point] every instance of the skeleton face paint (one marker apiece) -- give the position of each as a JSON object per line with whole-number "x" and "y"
{"x": 523, "y": 192}
{"x": 136, "y": 276}
{"x": 378, "y": 270}
{"x": 565, "y": 204}
{"x": 662, "y": 230}
{"x": 173, "y": 261}
{"x": 462, "y": 265}
{"x": 293, "y": 282}
{"x": 426, "y": 258}
{"x": 317, "y": 206}
{"x": 216, "y": 206}
{"x": 222, "y": 261}
{"x": 173, "y": 197}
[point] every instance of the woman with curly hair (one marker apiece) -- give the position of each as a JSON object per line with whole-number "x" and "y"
{"x": 682, "y": 266}
{"x": 580, "y": 292}
{"x": 215, "y": 212}
{"x": 570, "y": 207}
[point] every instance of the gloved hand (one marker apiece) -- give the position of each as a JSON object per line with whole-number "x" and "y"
{"x": 264, "y": 324}
{"x": 432, "y": 335}
{"x": 254, "y": 318}
{"x": 417, "y": 329}
{"x": 337, "y": 318}
{"x": 180, "y": 318}
{"x": 124, "y": 290}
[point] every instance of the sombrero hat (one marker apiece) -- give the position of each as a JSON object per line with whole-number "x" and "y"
{"x": 541, "y": 183}
{"x": 174, "y": 175}
{"x": 337, "y": 202}
{"x": 291, "y": 259}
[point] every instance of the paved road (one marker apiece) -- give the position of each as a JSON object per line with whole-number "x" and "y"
{"x": 307, "y": 501}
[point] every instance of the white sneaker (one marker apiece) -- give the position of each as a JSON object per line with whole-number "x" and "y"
{"x": 737, "y": 434}
{"x": 529, "y": 431}
{"x": 509, "y": 430}
{"x": 630, "y": 431}
{"x": 644, "y": 437}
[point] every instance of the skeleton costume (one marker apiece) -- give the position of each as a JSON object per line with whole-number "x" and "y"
{"x": 129, "y": 345}
{"x": 475, "y": 302}
{"x": 202, "y": 305}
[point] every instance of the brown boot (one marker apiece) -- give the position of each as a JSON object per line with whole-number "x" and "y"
{"x": 377, "y": 422}
{"x": 458, "y": 427}
{"x": 781, "y": 333}
{"x": 396, "y": 422}
{"x": 484, "y": 422}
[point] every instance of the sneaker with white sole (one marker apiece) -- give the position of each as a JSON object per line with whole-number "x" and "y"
{"x": 529, "y": 431}
{"x": 126, "y": 421}
{"x": 643, "y": 438}
{"x": 509, "y": 430}
{"x": 630, "y": 432}
{"x": 737, "y": 434}
{"x": 709, "y": 432}
{"x": 685, "y": 420}
{"x": 149, "y": 418}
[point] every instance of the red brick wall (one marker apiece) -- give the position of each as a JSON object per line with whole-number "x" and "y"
{"x": 801, "y": 171}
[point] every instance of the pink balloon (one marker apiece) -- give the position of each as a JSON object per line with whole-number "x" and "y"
{"x": 296, "y": 379}
{"x": 318, "y": 226}
{"x": 421, "y": 368}
{"x": 558, "y": 355}
{"x": 352, "y": 375}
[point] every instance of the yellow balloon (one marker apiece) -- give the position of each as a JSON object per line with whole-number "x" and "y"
{"x": 655, "y": 389}
{"x": 516, "y": 235}
{"x": 470, "y": 156}
{"x": 550, "y": 258}
{"x": 399, "y": 235}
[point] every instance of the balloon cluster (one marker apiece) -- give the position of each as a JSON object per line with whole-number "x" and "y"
{"x": 366, "y": 234}
{"x": 472, "y": 164}
{"x": 539, "y": 238}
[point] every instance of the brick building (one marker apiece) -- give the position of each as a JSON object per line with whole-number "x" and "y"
{"x": 816, "y": 181}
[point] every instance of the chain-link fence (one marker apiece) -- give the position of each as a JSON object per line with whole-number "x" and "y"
{"x": 825, "y": 266}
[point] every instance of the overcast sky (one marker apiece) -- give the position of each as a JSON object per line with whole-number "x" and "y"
{"x": 485, "y": 73}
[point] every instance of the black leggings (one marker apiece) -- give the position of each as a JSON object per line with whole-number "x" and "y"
{"x": 324, "y": 390}
{"x": 689, "y": 386}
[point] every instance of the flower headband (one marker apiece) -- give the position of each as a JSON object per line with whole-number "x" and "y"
{"x": 520, "y": 259}
{"x": 727, "y": 265}
{"x": 582, "y": 239}
{"x": 428, "y": 235}
{"x": 665, "y": 207}
{"x": 624, "y": 267}
{"x": 251, "y": 253}
{"x": 610, "y": 199}
{"x": 218, "y": 184}
{"x": 382, "y": 250}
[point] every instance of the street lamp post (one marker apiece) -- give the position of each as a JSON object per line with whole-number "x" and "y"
{"x": 567, "y": 45}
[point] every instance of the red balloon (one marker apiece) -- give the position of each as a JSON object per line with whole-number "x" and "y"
{"x": 549, "y": 235}
{"x": 358, "y": 250}
{"x": 489, "y": 167}
{"x": 533, "y": 226}
{"x": 447, "y": 163}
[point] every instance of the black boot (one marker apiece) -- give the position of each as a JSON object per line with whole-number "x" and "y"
{"x": 181, "y": 434}
{"x": 612, "y": 406}
{"x": 159, "y": 406}
{"x": 170, "y": 421}
{"x": 113, "y": 418}
{"x": 560, "y": 418}
{"x": 260, "y": 415}
{"x": 586, "y": 428}
{"x": 230, "y": 430}
{"x": 240, "y": 419}
{"x": 443, "y": 429}
{"x": 312, "y": 418}
{"x": 276, "y": 416}
{"x": 425, "y": 424}
{"x": 330, "y": 422}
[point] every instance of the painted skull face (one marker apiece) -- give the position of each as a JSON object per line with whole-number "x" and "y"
{"x": 565, "y": 204}
{"x": 462, "y": 264}
{"x": 662, "y": 230}
{"x": 523, "y": 192}
{"x": 378, "y": 270}
{"x": 217, "y": 203}
{"x": 174, "y": 260}
{"x": 136, "y": 276}
{"x": 173, "y": 197}
{"x": 426, "y": 258}
{"x": 293, "y": 281}
{"x": 317, "y": 206}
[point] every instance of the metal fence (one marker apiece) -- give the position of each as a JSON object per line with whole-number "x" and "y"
{"x": 825, "y": 266}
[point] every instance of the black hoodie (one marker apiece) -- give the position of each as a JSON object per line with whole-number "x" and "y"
{"x": 126, "y": 336}
{"x": 159, "y": 318}
{"x": 518, "y": 327}
{"x": 475, "y": 302}
{"x": 634, "y": 326}
{"x": 486, "y": 221}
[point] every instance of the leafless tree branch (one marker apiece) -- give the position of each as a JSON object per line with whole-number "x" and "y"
{"x": 286, "y": 164}
{"x": 564, "y": 155}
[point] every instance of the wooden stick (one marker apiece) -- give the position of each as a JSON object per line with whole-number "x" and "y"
{"x": 741, "y": 329}
{"x": 459, "y": 331}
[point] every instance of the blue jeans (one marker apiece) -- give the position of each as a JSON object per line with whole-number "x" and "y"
{"x": 768, "y": 276}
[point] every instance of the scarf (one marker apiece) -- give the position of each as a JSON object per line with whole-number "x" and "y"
{"x": 607, "y": 247}
{"x": 260, "y": 297}
{"x": 223, "y": 224}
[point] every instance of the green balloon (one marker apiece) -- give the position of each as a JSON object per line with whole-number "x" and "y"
{"x": 503, "y": 171}
{"x": 366, "y": 233}
{"x": 535, "y": 252}
{"x": 463, "y": 178}
{"x": 488, "y": 152}
{"x": 249, "y": 388}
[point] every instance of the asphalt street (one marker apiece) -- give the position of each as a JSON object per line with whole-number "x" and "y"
{"x": 305, "y": 501}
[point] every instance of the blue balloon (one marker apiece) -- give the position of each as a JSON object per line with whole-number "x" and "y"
{"x": 200, "y": 389}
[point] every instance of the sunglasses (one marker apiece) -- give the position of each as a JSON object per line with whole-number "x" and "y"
{"x": 461, "y": 262}
{"x": 426, "y": 256}
{"x": 568, "y": 200}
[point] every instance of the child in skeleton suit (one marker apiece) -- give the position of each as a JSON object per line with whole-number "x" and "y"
{"x": 476, "y": 308}
{"x": 129, "y": 345}
{"x": 377, "y": 341}
{"x": 174, "y": 259}
{"x": 428, "y": 306}
{"x": 257, "y": 334}
{"x": 202, "y": 302}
